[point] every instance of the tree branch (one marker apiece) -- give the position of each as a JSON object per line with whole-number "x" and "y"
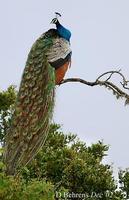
{"x": 106, "y": 82}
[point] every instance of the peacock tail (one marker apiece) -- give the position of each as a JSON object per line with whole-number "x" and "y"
{"x": 34, "y": 106}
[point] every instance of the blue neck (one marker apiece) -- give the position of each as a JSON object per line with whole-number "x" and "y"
{"x": 63, "y": 32}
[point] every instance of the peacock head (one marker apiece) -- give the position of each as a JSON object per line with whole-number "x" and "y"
{"x": 55, "y": 20}
{"x": 62, "y": 31}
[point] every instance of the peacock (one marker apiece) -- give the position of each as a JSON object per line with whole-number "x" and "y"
{"x": 47, "y": 63}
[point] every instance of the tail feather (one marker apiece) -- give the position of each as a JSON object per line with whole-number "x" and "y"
{"x": 33, "y": 110}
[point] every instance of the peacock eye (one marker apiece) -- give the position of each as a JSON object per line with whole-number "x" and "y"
{"x": 54, "y": 20}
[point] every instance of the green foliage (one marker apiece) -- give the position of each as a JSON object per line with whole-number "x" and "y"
{"x": 66, "y": 162}
{"x": 64, "y": 165}
{"x": 7, "y": 98}
{"x": 7, "y": 101}
{"x": 16, "y": 189}
{"x": 124, "y": 181}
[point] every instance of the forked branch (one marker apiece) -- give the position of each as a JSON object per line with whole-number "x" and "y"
{"x": 105, "y": 80}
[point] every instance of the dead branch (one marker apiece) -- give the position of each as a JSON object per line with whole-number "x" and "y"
{"x": 107, "y": 82}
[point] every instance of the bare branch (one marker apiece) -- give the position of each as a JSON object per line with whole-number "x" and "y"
{"x": 117, "y": 91}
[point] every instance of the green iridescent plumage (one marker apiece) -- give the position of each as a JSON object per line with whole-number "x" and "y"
{"x": 34, "y": 107}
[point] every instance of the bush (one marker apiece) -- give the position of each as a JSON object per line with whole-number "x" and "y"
{"x": 16, "y": 189}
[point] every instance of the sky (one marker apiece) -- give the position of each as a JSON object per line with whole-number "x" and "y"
{"x": 100, "y": 42}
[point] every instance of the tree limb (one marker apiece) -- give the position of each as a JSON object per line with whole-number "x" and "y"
{"x": 102, "y": 81}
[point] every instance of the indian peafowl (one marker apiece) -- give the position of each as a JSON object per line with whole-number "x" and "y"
{"x": 47, "y": 63}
